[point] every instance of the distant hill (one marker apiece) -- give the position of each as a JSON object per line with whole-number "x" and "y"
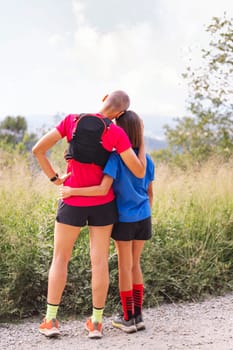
{"x": 153, "y": 127}
{"x": 154, "y": 124}
{"x": 154, "y": 132}
{"x": 154, "y": 144}
{"x": 37, "y": 122}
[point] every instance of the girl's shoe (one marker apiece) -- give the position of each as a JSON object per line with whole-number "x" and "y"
{"x": 126, "y": 326}
{"x": 140, "y": 324}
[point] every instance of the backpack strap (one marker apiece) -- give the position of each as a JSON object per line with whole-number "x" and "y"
{"x": 106, "y": 121}
{"x": 86, "y": 143}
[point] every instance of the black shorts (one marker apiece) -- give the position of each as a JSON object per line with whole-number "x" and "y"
{"x": 98, "y": 215}
{"x": 128, "y": 231}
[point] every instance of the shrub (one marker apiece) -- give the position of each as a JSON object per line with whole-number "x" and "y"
{"x": 188, "y": 257}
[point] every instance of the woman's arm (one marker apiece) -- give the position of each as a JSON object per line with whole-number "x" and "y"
{"x": 100, "y": 190}
{"x": 150, "y": 193}
{"x": 40, "y": 149}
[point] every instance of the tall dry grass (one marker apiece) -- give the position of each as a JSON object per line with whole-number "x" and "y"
{"x": 188, "y": 257}
{"x": 193, "y": 230}
{"x": 208, "y": 185}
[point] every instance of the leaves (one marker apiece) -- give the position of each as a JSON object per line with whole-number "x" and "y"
{"x": 208, "y": 129}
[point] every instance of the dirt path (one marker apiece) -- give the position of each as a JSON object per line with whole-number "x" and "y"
{"x": 205, "y": 326}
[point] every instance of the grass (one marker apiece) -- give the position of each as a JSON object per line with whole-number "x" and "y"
{"x": 193, "y": 227}
{"x": 188, "y": 257}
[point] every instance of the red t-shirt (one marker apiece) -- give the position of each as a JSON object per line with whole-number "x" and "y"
{"x": 83, "y": 175}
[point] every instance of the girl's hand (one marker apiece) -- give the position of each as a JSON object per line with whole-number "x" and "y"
{"x": 65, "y": 192}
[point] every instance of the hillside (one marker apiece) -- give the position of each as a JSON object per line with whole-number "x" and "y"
{"x": 154, "y": 131}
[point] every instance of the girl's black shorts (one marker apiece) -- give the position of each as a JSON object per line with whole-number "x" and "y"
{"x": 98, "y": 215}
{"x": 128, "y": 231}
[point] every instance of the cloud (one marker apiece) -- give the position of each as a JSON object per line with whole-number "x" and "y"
{"x": 56, "y": 39}
{"x": 133, "y": 56}
{"x": 101, "y": 46}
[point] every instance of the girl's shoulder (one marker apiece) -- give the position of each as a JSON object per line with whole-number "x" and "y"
{"x": 149, "y": 158}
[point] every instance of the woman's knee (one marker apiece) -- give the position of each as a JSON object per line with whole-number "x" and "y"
{"x": 99, "y": 261}
{"x": 61, "y": 260}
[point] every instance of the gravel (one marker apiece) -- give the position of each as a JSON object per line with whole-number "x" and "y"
{"x": 206, "y": 326}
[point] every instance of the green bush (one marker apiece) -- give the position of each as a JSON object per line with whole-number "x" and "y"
{"x": 188, "y": 257}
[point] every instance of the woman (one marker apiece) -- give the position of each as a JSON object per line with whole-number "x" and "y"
{"x": 74, "y": 213}
{"x": 134, "y": 198}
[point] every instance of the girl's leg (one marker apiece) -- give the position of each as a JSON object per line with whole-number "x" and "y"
{"x": 124, "y": 251}
{"x": 125, "y": 264}
{"x": 137, "y": 247}
{"x": 138, "y": 287}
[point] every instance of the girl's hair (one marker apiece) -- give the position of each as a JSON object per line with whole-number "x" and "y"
{"x": 130, "y": 122}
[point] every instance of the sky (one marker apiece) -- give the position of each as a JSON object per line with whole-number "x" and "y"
{"x": 63, "y": 56}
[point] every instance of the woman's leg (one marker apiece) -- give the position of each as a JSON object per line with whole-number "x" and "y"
{"x": 99, "y": 251}
{"x": 64, "y": 239}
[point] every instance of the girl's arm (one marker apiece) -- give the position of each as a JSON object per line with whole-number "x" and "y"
{"x": 100, "y": 190}
{"x": 150, "y": 193}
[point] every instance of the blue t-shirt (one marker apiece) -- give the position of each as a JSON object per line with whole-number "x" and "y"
{"x": 131, "y": 192}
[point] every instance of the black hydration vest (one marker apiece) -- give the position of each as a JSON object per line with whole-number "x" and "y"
{"x": 86, "y": 143}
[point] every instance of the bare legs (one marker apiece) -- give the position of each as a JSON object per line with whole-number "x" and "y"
{"x": 129, "y": 254}
{"x": 99, "y": 250}
{"x": 64, "y": 239}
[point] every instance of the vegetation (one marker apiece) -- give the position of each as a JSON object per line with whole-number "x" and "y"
{"x": 13, "y": 133}
{"x": 207, "y": 129}
{"x": 190, "y": 253}
{"x": 189, "y": 256}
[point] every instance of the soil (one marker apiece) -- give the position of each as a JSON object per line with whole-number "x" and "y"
{"x": 206, "y": 326}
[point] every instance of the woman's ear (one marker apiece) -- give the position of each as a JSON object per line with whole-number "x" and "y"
{"x": 104, "y": 98}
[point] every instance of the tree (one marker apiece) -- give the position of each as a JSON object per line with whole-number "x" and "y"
{"x": 13, "y": 131}
{"x": 208, "y": 130}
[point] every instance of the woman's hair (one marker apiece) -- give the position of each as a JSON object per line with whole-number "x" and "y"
{"x": 130, "y": 122}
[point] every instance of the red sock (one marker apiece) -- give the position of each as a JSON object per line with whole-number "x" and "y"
{"x": 127, "y": 304}
{"x": 138, "y": 292}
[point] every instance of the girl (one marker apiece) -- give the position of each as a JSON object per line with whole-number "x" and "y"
{"x": 134, "y": 198}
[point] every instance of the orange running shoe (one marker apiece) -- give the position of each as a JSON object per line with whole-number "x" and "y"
{"x": 94, "y": 329}
{"x": 49, "y": 329}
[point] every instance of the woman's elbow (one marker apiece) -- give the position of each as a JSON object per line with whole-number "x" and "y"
{"x": 34, "y": 150}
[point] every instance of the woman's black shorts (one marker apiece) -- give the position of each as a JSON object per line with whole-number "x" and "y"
{"x": 98, "y": 215}
{"x": 128, "y": 231}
